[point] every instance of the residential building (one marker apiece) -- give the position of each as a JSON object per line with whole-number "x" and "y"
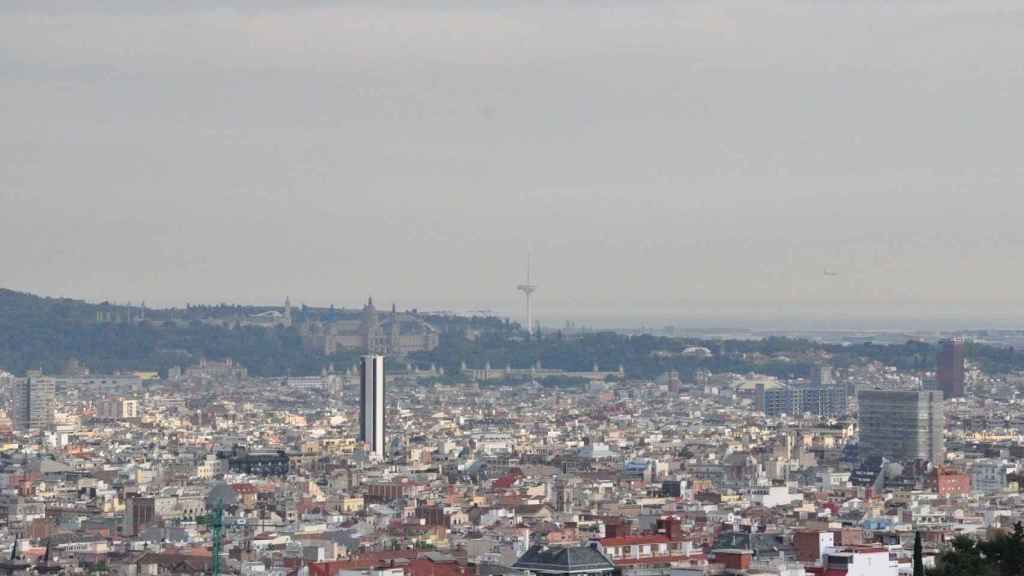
{"x": 811, "y": 545}
{"x": 819, "y": 400}
{"x": 901, "y": 425}
{"x": 988, "y": 476}
{"x": 821, "y": 375}
{"x": 260, "y": 462}
{"x": 772, "y": 496}
{"x": 951, "y": 483}
{"x": 139, "y": 512}
{"x": 117, "y": 409}
{"x": 856, "y": 561}
{"x": 669, "y": 546}
{"x": 33, "y": 403}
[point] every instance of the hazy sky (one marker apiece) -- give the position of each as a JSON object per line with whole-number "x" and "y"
{"x": 671, "y": 156}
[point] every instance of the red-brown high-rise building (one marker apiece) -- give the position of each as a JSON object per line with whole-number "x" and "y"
{"x": 949, "y": 372}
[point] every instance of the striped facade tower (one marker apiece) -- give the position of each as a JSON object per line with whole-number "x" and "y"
{"x": 371, "y": 404}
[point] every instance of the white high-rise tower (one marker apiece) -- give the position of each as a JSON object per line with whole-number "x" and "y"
{"x": 528, "y": 289}
{"x": 371, "y": 404}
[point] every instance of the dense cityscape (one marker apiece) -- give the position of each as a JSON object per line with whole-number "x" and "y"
{"x": 390, "y": 466}
{"x": 511, "y": 288}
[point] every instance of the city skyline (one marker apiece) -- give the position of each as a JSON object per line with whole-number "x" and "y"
{"x": 263, "y": 308}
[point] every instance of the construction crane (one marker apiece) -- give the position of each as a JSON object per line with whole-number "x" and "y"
{"x": 216, "y": 519}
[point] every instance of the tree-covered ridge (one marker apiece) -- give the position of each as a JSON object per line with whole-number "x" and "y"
{"x": 109, "y": 348}
{"x": 43, "y": 333}
{"x": 38, "y": 333}
{"x": 648, "y": 356}
{"x": 642, "y": 356}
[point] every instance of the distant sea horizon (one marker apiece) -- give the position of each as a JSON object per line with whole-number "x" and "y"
{"x": 767, "y": 319}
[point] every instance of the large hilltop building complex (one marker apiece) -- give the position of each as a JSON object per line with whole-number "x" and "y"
{"x": 397, "y": 334}
{"x": 368, "y": 331}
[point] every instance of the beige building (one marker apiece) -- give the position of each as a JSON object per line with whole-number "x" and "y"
{"x": 397, "y": 334}
{"x": 117, "y": 409}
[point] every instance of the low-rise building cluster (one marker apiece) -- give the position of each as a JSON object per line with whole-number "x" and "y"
{"x": 214, "y": 471}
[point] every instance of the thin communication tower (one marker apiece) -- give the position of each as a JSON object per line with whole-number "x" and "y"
{"x": 528, "y": 289}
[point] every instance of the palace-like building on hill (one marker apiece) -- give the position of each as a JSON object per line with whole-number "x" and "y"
{"x": 394, "y": 334}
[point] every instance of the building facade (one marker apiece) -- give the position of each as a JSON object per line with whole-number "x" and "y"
{"x": 988, "y": 476}
{"x": 902, "y": 425}
{"x": 371, "y": 404}
{"x": 117, "y": 409}
{"x": 951, "y": 483}
{"x": 811, "y": 545}
{"x": 949, "y": 371}
{"x": 821, "y": 375}
{"x": 33, "y": 403}
{"x": 261, "y": 463}
{"x": 139, "y": 512}
{"x": 856, "y": 561}
{"x": 395, "y": 334}
{"x": 226, "y": 370}
{"x": 820, "y": 400}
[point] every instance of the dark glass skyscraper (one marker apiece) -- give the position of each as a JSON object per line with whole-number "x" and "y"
{"x": 949, "y": 371}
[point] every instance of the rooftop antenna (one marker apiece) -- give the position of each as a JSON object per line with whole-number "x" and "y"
{"x": 528, "y": 289}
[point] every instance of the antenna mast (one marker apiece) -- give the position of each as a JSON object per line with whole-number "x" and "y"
{"x": 528, "y": 289}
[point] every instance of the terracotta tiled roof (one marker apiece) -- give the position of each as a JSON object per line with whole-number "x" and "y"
{"x": 504, "y": 482}
{"x": 427, "y": 567}
{"x": 697, "y": 558}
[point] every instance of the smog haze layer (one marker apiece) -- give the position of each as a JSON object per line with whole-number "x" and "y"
{"x": 687, "y": 161}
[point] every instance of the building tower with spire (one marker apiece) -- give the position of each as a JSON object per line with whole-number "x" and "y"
{"x": 395, "y": 346}
{"x": 287, "y": 311}
{"x": 374, "y": 341}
